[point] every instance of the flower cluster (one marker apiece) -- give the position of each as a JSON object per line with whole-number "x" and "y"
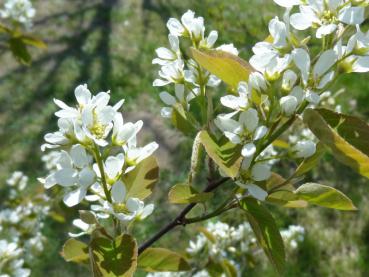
{"x": 96, "y": 149}
{"x": 288, "y": 77}
{"x": 220, "y": 241}
{"x": 187, "y": 76}
{"x": 21, "y": 223}
{"x": 292, "y": 236}
{"x": 18, "y": 12}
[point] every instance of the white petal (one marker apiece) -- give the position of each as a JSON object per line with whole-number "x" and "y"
{"x": 165, "y": 53}
{"x": 83, "y": 95}
{"x": 74, "y": 197}
{"x": 86, "y": 177}
{"x": 147, "y": 210}
{"x": 302, "y": 61}
{"x": 361, "y": 65}
{"x": 166, "y": 112}
{"x": 113, "y": 166}
{"x": 250, "y": 119}
{"x": 260, "y": 132}
{"x": 300, "y": 22}
{"x": 287, "y": 3}
{"x": 118, "y": 192}
{"x": 79, "y": 156}
{"x": 80, "y": 224}
{"x": 325, "y": 30}
{"x": 160, "y": 83}
{"x": 260, "y": 172}
{"x": 66, "y": 177}
{"x": 326, "y": 60}
{"x": 134, "y": 204}
{"x": 248, "y": 150}
{"x": 352, "y": 15}
{"x": 257, "y": 192}
{"x": 167, "y": 98}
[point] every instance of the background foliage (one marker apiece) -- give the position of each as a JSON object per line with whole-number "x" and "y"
{"x": 109, "y": 44}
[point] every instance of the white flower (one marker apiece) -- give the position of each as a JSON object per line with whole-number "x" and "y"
{"x": 189, "y": 26}
{"x": 288, "y": 3}
{"x": 165, "y": 55}
{"x": 20, "y": 11}
{"x": 245, "y": 131}
{"x": 134, "y": 155}
{"x": 74, "y": 169}
{"x": 180, "y": 98}
{"x": 326, "y": 15}
{"x": 304, "y": 149}
{"x": 321, "y": 74}
{"x": 124, "y": 132}
{"x": 123, "y": 209}
{"x": 170, "y": 73}
{"x": 269, "y": 58}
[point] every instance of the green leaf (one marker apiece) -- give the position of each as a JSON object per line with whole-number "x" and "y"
{"x": 114, "y": 258}
{"x": 284, "y": 195}
{"x": 266, "y": 232}
{"x": 35, "y": 42}
{"x": 346, "y": 136}
{"x": 184, "y": 194}
{"x": 228, "y": 67}
{"x": 309, "y": 163}
{"x": 75, "y": 251}
{"x": 19, "y": 50}
{"x": 324, "y": 196}
{"x": 182, "y": 120}
{"x": 87, "y": 217}
{"x": 161, "y": 260}
{"x": 224, "y": 153}
{"x": 140, "y": 181}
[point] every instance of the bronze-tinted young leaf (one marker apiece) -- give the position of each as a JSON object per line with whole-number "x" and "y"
{"x": 75, "y": 251}
{"x": 140, "y": 181}
{"x": 347, "y": 137}
{"x": 309, "y": 163}
{"x": 224, "y": 153}
{"x": 114, "y": 258}
{"x": 19, "y": 50}
{"x": 184, "y": 194}
{"x": 227, "y": 67}
{"x": 266, "y": 232}
{"x": 162, "y": 260}
{"x": 183, "y": 121}
{"x": 324, "y": 196}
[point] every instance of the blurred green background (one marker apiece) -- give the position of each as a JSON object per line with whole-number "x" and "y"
{"x": 109, "y": 44}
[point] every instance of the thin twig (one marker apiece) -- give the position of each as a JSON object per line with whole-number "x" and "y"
{"x": 180, "y": 219}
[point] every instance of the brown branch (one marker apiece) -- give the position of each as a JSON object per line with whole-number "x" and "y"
{"x": 180, "y": 219}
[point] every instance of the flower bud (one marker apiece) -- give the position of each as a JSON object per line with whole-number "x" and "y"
{"x": 288, "y": 104}
{"x": 289, "y": 80}
{"x": 305, "y": 149}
